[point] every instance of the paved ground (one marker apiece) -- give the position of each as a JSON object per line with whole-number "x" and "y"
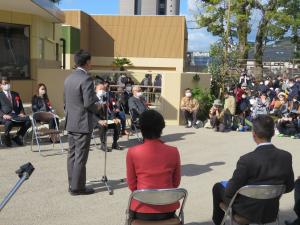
{"x": 206, "y": 156}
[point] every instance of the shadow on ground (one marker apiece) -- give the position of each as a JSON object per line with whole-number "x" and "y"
{"x": 175, "y": 137}
{"x": 191, "y": 170}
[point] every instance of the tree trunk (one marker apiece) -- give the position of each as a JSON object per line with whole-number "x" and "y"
{"x": 259, "y": 45}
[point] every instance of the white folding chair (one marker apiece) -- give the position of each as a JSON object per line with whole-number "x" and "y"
{"x": 260, "y": 192}
{"x": 158, "y": 197}
{"x": 38, "y": 131}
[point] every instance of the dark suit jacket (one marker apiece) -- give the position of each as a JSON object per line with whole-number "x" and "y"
{"x": 40, "y": 104}
{"x": 79, "y": 99}
{"x": 6, "y": 107}
{"x": 265, "y": 165}
{"x": 137, "y": 106}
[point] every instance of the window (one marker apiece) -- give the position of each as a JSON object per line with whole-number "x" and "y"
{"x": 15, "y": 51}
{"x": 161, "y": 7}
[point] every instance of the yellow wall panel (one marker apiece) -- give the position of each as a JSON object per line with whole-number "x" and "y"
{"x": 21, "y": 18}
{"x": 5, "y": 16}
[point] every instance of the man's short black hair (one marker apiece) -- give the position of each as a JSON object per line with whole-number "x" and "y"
{"x": 188, "y": 89}
{"x": 5, "y": 78}
{"x": 263, "y": 127}
{"x": 98, "y": 81}
{"x": 151, "y": 123}
{"x": 81, "y": 57}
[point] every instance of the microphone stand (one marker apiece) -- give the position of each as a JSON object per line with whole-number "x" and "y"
{"x": 104, "y": 179}
{"x": 24, "y": 173}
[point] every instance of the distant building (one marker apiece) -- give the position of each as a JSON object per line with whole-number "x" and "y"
{"x": 277, "y": 57}
{"x": 149, "y": 7}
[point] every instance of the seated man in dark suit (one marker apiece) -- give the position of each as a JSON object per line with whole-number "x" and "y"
{"x": 12, "y": 114}
{"x": 106, "y": 119}
{"x": 137, "y": 104}
{"x": 297, "y": 204}
{"x": 266, "y": 165}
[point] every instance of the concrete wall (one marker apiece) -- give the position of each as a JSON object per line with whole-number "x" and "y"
{"x": 54, "y": 80}
{"x": 150, "y": 42}
{"x": 172, "y": 90}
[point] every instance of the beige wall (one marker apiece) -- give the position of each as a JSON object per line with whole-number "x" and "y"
{"x": 40, "y": 29}
{"x": 150, "y": 42}
{"x": 172, "y": 90}
{"x": 54, "y": 80}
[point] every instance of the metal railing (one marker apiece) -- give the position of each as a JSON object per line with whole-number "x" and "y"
{"x": 152, "y": 94}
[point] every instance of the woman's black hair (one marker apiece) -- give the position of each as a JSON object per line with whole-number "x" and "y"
{"x": 151, "y": 124}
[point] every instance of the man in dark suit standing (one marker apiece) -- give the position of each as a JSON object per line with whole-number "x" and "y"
{"x": 12, "y": 114}
{"x": 266, "y": 165}
{"x": 80, "y": 105}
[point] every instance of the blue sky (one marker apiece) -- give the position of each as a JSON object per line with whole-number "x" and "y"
{"x": 199, "y": 40}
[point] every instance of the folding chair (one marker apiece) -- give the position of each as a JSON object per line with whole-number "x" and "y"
{"x": 38, "y": 119}
{"x": 255, "y": 192}
{"x": 158, "y": 197}
{"x": 133, "y": 126}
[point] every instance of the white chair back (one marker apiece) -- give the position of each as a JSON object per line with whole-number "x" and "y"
{"x": 262, "y": 191}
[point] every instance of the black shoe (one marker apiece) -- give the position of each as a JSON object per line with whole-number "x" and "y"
{"x": 86, "y": 191}
{"x": 18, "y": 140}
{"x": 7, "y": 140}
{"x": 116, "y": 146}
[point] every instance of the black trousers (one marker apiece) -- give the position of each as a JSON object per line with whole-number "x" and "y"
{"x": 79, "y": 145}
{"x": 218, "y": 192}
{"x": 24, "y": 126}
{"x": 52, "y": 123}
{"x": 190, "y": 116}
{"x": 286, "y": 128}
{"x": 217, "y": 124}
{"x": 103, "y": 131}
{"x": 297, "y": 201}
{"x": 151, "y": 216}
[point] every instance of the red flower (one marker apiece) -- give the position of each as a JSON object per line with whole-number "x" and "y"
{"x": 49, "y": 104}
{"x": 17, "y": 98}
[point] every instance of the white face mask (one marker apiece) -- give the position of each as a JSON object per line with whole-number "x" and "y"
{"x": 291, "y": 84}
{"x": 42, "y": 92}
{"x": 128, "y": 88}
{"x": 139, "y": 94}
{"x": 188, "y": 94}
{"x": 6, "y": 87}
{"x": 244, "y": 96}
{"x": 101, "y": 93}
{"x": 294, "y": 100}
{"x": 267, "y": 82}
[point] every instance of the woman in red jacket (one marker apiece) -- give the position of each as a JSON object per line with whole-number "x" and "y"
{"x": 152, "y": 165}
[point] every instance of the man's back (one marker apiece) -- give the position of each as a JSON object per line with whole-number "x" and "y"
{"x": 266, "y": 165}
{"x": 79, "y": 97}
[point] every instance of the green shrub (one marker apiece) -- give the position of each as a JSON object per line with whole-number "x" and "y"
{"x": 205, "y": 99}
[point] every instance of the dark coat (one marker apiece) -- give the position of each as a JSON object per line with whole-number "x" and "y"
{"x": 265, "y": 165}
{"x": 40, "y": 104}
{"x": 6, "y": 107}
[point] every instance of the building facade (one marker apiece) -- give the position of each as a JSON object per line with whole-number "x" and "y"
{"x": 150, "y": 7}
{"x": 29, "y": 40}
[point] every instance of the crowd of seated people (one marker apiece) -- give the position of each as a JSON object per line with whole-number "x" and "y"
{"x": 279, "y": 98}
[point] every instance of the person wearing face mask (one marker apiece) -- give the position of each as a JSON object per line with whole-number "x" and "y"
{"x": 137, "y": 104}
{"x": 106, "y": 119}
{"x": 12, "y": 114}
{"x": 293, "y": 90}
{"x": 127, "y": 95}
{"x": 229, "y": 109}
{"x": 41, "y": 103}
{"x": 190, "y": 107}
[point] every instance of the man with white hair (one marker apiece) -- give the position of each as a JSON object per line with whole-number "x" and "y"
{"x": 137, "y": 104}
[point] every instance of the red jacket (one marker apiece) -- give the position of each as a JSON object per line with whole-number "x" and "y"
{"x": 153, "y": 165}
